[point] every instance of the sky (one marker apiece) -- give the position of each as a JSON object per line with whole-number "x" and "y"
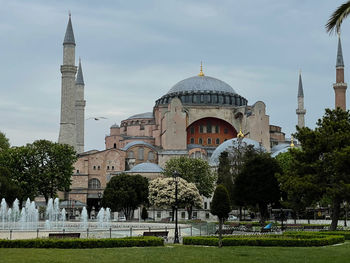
{"x": 133, "y": 52}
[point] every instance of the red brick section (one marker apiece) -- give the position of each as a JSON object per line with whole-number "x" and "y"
{"x": 200, "y": 130}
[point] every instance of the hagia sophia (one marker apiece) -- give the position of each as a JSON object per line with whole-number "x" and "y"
{"x": 198, "y": 117}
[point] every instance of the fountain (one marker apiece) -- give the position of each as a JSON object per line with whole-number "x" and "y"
{"x": 84, "y": 218}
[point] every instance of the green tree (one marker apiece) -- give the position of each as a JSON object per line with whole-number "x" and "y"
{"x": 41, "y": 168}
{"x": 195, "y": 171}
{"x": 4, "y": 142}
{"x": 336, "y": 19}
{"x": 220, "y": 206}
{"x": 297, "y": 193}
{"x": 323, "y": 167}
{"x": 126, "y": 193}
{"x": 54, "y": 167}
{"x": 20, "y": 162}
{"x": 225, "y": 176}
{"x": 257, "y": 185}
{"x": 144, "y": 213}
{"x": 8, "y": 189}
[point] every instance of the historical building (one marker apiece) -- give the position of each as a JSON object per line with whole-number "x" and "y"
{"x": 72, "y": 95}
{"x": 340, "y": 85}
{"x": 193, "y": 118}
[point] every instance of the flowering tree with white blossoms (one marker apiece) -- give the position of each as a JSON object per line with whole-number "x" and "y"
{"x": 162, "y": 194}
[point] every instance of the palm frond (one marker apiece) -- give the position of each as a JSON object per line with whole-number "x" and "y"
{"x": 336, "y": 19}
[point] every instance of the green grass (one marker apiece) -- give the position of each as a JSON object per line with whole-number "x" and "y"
{"x": 179, "y": 253}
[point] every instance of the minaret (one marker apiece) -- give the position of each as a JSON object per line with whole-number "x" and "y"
{"x": 340, "y": 86}
{"x": 80, "y": 109}
{"x": 68, "y": 69}
{"x": 300, "y": 110}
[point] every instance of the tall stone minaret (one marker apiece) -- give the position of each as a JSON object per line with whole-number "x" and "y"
{"x": 300, "y": 110}
{"x": 340, "y": 85}
{"x": 80, "y": 109}
{"x": 68, "y": 69}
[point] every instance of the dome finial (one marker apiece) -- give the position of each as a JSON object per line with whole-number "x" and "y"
{"x": 201, "y": 74}
{"x": 240, "y": 135}
{"x": 292, "y": 141}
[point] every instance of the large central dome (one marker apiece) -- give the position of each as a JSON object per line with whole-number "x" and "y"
{"x": 202, "y": 89}
{"x": 201, "y": 83}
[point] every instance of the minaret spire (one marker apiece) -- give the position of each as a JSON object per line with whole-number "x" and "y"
{"x": 80, "y": 109}
{"x": 300, "y": 110}
{"x": 68, "y": 92}
{"x": 340, "y": 86}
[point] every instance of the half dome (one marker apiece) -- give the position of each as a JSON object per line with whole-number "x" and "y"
{"x": 225, "y": 146}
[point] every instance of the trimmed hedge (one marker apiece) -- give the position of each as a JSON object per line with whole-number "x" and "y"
{"x": 268, "y": 240}
{"x": 345, "y": 234}
{"x": 83, "y": 243}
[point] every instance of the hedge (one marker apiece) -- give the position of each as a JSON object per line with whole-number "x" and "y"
{"x": 268, "y": 240}
{"x": 345, "y": 234}
{"x": 83, "y": 243}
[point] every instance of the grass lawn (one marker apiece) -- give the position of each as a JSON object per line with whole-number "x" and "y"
{"x": 179, "y": 253}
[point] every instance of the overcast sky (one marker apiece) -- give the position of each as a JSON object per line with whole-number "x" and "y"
{"x": 133, "y": 52}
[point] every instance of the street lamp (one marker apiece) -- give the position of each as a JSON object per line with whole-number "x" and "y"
{"x": 176, "y": 176}
{"x": 99, "y": 194}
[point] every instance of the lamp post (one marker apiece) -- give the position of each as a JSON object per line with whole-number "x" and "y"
{"x": 176, "y": 178}
{"x": 99, "y": 194}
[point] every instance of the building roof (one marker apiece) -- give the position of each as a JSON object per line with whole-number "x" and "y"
{"x": 225, "y": 146}
{"x": 340, "y": 61}
{"x": 131, "y": 144}
{"x": 115, "y": 125}
{"x": 145, "y": 115}
{"x": 283, "y": 150}
{"x": 69, "y": 36}
{"x": 146, "y": 168}
{"x": 201, "y": 83}
{"x": 80, "y": 77}
{"x": 300, "y": 88}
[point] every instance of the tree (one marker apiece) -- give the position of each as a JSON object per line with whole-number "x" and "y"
{"x": 220, "y": 206}
{"x": 162, "y": 194}
{"x": 195, "y": 171}
{"x": 41, "y": 168}
{"x": 54, "y": 166}
{"x": 225, "y": 176}
{"x": 144, "y": 213}
{"x": 4, "y": 142}
{"x": 297, "y": 193}
{"x": 336, "y": 19}
{"x": 8, "y": 189}
{"x": 322, "y": 167}
{"x": 126, "y": 193}
{"x": 257, "y": 185}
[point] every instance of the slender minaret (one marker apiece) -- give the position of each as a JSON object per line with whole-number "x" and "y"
{"x": 68, "y": 69}
{"x": 80, "y": 109}
{"x": 300, "y": 110}
{"x": 340, "y": 85}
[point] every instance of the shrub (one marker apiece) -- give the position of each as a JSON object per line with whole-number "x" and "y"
{"x": 83, "y": 243}
{"x": 293, "y": 240}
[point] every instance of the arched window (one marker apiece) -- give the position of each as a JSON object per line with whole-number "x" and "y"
{"x": 150, "y": 156}
{"x": 130, "y": 154}
{"x": 94, "y": 184}
{"x": 200, "y": 141}
{"x": 217, "y": 141}
{"x": 209, "y": 141}
{"x": 192, "y": 140}
{"x": 140, "y": 153}
{"x": 114, "y": 145}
